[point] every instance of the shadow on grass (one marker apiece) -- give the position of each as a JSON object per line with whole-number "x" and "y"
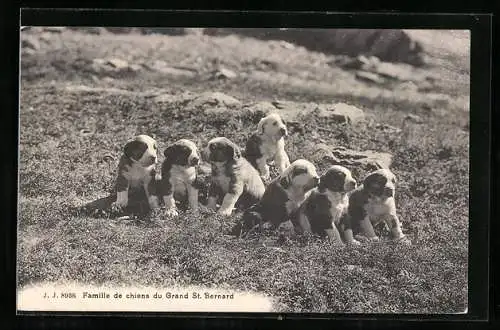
{"x": 103, "y": 207}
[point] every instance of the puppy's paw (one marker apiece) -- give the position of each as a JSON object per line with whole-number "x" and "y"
{"x": 171, "y": 212}
{"x": 374, "y": 239}
{"x": 267, "y": 225}
{"x": 354, "y": 242}
{"x": 118, "y": 207}
{"x": 225, "y": 212}
{"x": 361, "y": 238}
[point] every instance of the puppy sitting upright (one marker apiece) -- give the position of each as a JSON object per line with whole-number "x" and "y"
{"x": 179, "y": 177}
{"x": 372, "y": 203}
{"x": 232, "y": 177}
{"x": 324, "y": 211}
{"x": 137, "y": 169}
{"x": 268, "y": 144}
{"x": 283, "y": 196}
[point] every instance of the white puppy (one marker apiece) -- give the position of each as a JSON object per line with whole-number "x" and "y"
{"x": 266, "y": 144}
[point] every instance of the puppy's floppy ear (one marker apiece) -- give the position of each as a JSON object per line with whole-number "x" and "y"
{"x": 169, "y": 152}
{"x": 234, "y": 151}
{"x": 333, "y": 180}
{"x": 374, "y": 179}
{"x": 260, "y": 126}
{"x": 134, "y": 149}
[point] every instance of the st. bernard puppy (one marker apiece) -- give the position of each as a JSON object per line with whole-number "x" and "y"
{"x": 324, "y": 212}
{"x": 266, "y": 144}
{"x": 136, "y": 169}
{"x": 179, "y": 179}
{"x": 283, "y": 196}
{"x": 233, "y": 178}
{"x": 372, "y": 203}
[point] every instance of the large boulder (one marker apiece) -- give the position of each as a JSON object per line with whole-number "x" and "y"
{"x": 368, "y": 160}
{"x": 392, "y": 45}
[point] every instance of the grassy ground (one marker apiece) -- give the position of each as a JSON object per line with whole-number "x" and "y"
{"x": 71, "y": 140}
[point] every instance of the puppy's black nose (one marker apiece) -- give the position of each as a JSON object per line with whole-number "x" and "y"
{"x": 389, "y": 192}
{"x": 195, "y": 161}
{"x": 152, "y": 159}
{"x": 283, "y": 131}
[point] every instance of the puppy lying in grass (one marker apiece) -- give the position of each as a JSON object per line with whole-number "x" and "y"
{"x": 372, "y": 203}
{"x": 266, "y": 144}
{"x": 233, "y": 178}
{"x": 283, "y": 196}
{"x": 136, "y": 169}
{"x": 179, "y": 179}
{"x": 324, "y": 211}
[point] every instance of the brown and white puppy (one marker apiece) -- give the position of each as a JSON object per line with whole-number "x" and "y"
{"x": 179, "y": 177}
{"x": 137, "y": 169}
{"x": 232, "y": 178}
{"x": 372, "y": 203}
{"x": 266, "y": 144}
{"x": 324, "y": 211}
{"x": 283, "y": 196}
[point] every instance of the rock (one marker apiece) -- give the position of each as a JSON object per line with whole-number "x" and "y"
{"x": 410, "y": 118}
{"x": 408, "y": 86}
{"x": 322, "y": 152}
{"x": 369, "y": 77}
{"x": 341, "y": 112}
{"x": 213, "y": 99}
{"x": 394, "y": 71}
{"x": 177, "y": 72}
{"x": 356, "y": 63}
{"x": 164, "y": 68}
{"x": 223, "y": 73}
{"x": 118, "y": 63}
{"x": 262, "y": 108}
{"x": 388, "y": 128}
{"x": 368, "y": 159}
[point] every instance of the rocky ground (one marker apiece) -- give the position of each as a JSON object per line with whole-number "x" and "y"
{"x": 84, "y": 93}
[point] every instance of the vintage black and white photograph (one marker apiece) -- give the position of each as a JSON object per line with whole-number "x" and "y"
{"x": 243, "y": 170}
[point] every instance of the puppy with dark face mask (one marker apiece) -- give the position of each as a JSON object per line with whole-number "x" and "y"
{"x": 179, "y": 179}
{"x": 283, "y": 196}
{"x": 266, "y": 144}
{"x": 324, "y": 212}
{"x": 136, "y": 169}
{"x": 372, "y": 203}
{"x": 232, "y": 178}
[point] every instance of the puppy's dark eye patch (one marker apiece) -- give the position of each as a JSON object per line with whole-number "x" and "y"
{"x": 298, "y": 171}
{"x": 135, "y": 149}
{"x": 275, "y": 123}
